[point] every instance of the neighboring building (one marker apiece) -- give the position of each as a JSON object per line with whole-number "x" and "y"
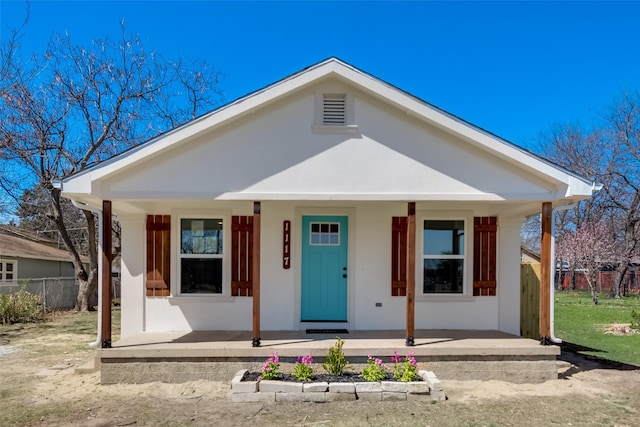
{"x": 26, "y": 255}
{"x": 528, "y": 256}
{"x": 307, "y": 203}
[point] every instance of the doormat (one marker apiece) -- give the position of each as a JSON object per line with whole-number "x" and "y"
{"x": 327, "y": 331}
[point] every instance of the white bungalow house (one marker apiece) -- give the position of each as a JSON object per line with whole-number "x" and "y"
{"x": 329, "y": 199}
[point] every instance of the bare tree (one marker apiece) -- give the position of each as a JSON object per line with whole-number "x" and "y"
{"x": 607, "y": 154}
{"x": 72, "y": 106}
{"x": 624, "y": 179}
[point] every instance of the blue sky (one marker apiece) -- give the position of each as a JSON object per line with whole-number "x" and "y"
{"x": 513, "y": 68}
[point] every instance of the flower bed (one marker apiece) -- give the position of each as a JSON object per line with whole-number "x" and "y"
{"x": 375, "y": 382}
{"x": 244, "y": 388}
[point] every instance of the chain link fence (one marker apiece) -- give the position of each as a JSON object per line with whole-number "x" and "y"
{"x": 58, "y": 293}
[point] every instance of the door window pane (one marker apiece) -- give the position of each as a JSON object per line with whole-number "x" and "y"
{"x": 324, "y": 234}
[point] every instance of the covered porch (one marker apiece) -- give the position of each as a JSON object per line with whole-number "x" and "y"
{"x": 217, "y": 355}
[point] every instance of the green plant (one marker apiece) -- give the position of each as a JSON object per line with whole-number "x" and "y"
{"x": 303, "y": 370}
{"x": 335, "y": 362}
{"x": 404, "y": 370}
{"x": 271, "y": 368}
{"x": 375, "y": 370}
{"x": 635, "y": 319}
{"x": 20, "y": 307}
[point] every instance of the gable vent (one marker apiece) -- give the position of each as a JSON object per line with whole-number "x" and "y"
{"x": 334, "y": 112}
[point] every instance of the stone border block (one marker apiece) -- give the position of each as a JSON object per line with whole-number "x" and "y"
{"x": 280, "y": 386}
{"x": 418, "y": 387}
{"x": 239, "y": 386}
{"x": 368, "y": 387}
{"x": 370, "y": 397}
{"x": 393, "y": 396}
{"x": 431, "y": 379}
{"x": 438, "y": 396}
{"x": 315, "y": 387}
{"x": 340, "y": 388}
{"x": 395, "y": 386}
{"x": 312, "y": 396}
{"x": 253, "y": 397}
{"x": 340, "y": 397}
{"x": 418, "y": 397}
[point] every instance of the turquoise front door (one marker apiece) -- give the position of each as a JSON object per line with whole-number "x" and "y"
{"x": 324, "y": 268}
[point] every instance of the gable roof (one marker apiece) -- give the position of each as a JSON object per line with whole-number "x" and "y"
{"x": 577, "y": 187}
{"x": 13, "y": 246}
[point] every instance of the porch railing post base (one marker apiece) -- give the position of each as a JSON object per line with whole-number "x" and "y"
{"x": 106, "y": 343}
{"x": 409, "y": 342}
{"x": 545, "y": 341}
{"x": 255, "y": 342}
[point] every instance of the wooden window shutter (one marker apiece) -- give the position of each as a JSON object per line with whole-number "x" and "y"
{"x": 484, "y": 255}
{"x": 158, "y": 255}
{"x": 242, "y": 256}
{"x": 399, "y": 256}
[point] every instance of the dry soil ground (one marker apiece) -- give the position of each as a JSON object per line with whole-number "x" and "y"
{"x": 39, "y": 386}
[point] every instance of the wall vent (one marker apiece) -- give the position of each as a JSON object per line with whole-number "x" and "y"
{"x": 334, "y": 111}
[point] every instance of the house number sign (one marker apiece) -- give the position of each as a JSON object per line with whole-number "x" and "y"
{"x": 286, "y": 245}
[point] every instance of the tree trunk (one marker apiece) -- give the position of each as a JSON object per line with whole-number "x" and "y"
{"x": 87, "y": 281}
{"x": 87, "y": 295}
{"x": 591, "y": 281}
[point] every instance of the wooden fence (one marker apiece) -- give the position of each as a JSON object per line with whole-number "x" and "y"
{"x": 530, "y": 300}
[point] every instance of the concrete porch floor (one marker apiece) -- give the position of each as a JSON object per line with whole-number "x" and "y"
{"x": 217, "y": 355}
{"x": 237, "y": 344}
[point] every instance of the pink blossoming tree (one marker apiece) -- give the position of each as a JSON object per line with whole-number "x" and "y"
{"x": 592, "y": 246}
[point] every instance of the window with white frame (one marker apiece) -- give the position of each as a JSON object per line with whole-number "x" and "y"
{"x": 201, "y": 255}
{"x": 443, "y": 256}
{"x": 8, "y": 270}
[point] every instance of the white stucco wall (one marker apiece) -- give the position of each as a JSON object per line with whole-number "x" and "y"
{"x": 274, "y": 154}
{"x": 369, "y": 276}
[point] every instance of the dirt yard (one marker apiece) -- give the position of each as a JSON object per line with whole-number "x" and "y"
{"x": 39, "y": 386}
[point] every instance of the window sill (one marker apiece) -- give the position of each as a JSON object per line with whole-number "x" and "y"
{"x": 346, "y": 129}
{"x": 200, "y": 298}
{"x": 444, "y": 298}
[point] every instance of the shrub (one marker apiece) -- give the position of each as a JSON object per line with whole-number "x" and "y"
{"x": 374, "y": 371}
{"x": 303, "y": 370}
{"x": 335, "y": 362}
{"x": 20, "y": 307}
{"x": 271, "y": 368}
{"x": 404, "y": 370}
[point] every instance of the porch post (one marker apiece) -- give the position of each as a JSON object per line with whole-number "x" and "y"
{"x": 545, "y": 275}
{"x": 107, "y": 255}
{"x": 256, "y": 274}
{"x": 411, "y": 272}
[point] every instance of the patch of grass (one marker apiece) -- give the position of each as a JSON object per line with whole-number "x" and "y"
{"x": 579, "y": 321}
